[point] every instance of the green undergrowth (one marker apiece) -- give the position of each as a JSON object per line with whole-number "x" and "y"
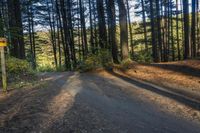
{"x": 17, "y": 66}
{"x": 102, "y": 59}
{"x": 19, "y": 73}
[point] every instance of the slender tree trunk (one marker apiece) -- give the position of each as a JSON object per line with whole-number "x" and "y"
{"x": 59, "y": 45}
{"x": 112, "y": 30}
{"x": 33, "y": 40}
{"x": 17, "y": 6}
{"x": 130, "y": 29}
{"x": 182, "y": 26}
{"x": 83, "y": 26}
{"x": 102, "y": 24}
{"x": 71, "y": 33}
{"x": 177, "y": 31}
{"x": 123, "y": 29}
{"x": 52, "y": 33}
{"x": 198, "y": 29}
{"x": 153, "y": 33}
{"x": 91, "y": 28}
{"x": 172, "y": 31}
{"x": 165, "y": 33}
{"x": 159, "y": 29}
{"x": 63, "y": 14}
{"x": 12, "y": 26}
{"x": 168, "y": 30}
{"x": 144, "y": 25}
{"x": 79, "y": 41}
{"x": 186, "y": 29}
{"x": 95, "y": 27}
{"x": 66, "y": 59}
{"x": 193, "y": 28}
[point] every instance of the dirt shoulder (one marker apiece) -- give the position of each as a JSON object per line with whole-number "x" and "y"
{"x": 181, "y": 77}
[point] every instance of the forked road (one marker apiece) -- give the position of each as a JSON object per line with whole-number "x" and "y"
{"x": 89, "y": 103}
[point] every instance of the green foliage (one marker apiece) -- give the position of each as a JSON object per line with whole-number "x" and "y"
{"x": 17, "y": 66}
{"x": 94, "y": 61}
{"x": 105, "y": 58}
{"x": 17, "y": 70}
{"x": 61, "y": 69}
{"x": 49, "y": 68}
{"x": 90, "y": 63}
{"x": 143, "y": 57}
{"x": 46, "y": 68}
{"x": 44, "y": 59}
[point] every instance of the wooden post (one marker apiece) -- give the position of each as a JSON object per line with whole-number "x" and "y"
{"x": 3, "y": 69}
{"x": 3, "y": 44}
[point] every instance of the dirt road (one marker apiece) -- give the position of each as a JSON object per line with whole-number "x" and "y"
{"x": 91, "y": 103}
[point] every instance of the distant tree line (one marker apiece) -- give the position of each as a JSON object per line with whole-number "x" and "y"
{"x": 174, "y": 29}
{"x": 78, "y": 28}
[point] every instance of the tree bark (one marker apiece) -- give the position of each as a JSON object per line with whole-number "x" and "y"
{"x": 101, "y": 24}
{"x": 187, "y": 53}
{"x": 112, "y": 30}
{"x": 123, "y": 29}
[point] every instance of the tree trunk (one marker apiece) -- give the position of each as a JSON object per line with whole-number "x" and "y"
{"x": 83, "y": 26}
{"x": 187, "y": 53}
{"x": 159, "y": 30}
{"x": 112, "y": 30}
{"x": 102, "y": 24}
{"x": 123, "y": 29}
{"x": 91, "y": 28}
{"x": 193, "y": 29}
{"x": 177, "y": 31}
{"x": 144, "y": 26}
{"x": 153, "y": 33}
{"x": 130, "y": 29}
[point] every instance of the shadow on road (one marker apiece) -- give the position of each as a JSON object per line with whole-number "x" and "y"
{"x": 72, "y": 103}
{"x": 23, "y": 110}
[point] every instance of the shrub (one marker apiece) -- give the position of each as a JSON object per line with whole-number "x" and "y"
{"x": 94, "y": 61}
{"x": 143, "y": 57}
{"x": 17, "y": 66}
{"x": 46, "y": 68}
{"x": 105, "y": 58}
{"x": 91, "y": 62}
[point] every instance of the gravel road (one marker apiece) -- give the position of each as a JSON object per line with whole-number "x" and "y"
{"x": 89, "y": 103}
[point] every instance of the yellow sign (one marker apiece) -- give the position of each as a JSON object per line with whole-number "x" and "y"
{"x": 3, "y": 42}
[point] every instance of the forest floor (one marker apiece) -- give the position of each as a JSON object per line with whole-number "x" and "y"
{"x": 118, "y": 101}
{"x": 181, "y": 77}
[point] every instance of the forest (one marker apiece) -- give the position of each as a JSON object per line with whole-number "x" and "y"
{"x": 65, "y": 33}
{"x": 100, "y": 66}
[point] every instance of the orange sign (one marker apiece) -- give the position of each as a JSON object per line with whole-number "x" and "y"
{"x": 3, "y": 42}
